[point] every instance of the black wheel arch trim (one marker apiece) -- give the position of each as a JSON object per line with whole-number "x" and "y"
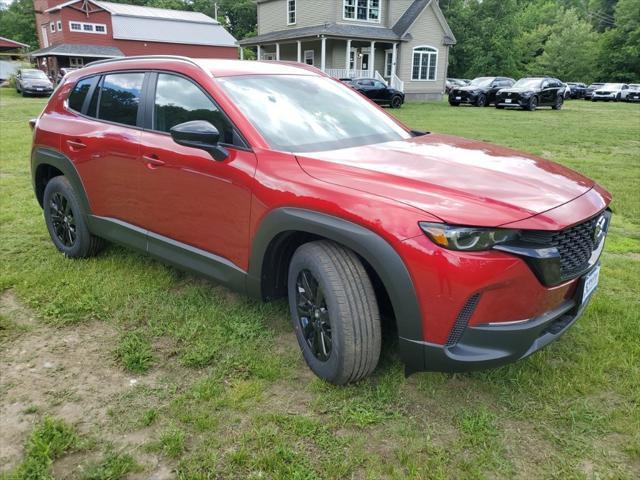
{"x": 374, "y": 249}
{"x": 42, "y": 156}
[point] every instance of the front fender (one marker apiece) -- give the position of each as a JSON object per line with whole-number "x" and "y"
{"x": 380, "y": 255}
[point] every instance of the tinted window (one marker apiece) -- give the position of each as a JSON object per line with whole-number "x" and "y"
{"x": 79, "y": 93}
{"x": 179, "y": 100}
{"x": 120, "y": 97}
{"x": 378, "y": 85}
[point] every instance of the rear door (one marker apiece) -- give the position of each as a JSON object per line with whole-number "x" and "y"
{"x": 366, "y": 88}
{"x": 103, "y": 140}
{"x": 187, "y": 195}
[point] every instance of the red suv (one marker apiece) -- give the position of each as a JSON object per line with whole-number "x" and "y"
{"x": 277, "y": 180}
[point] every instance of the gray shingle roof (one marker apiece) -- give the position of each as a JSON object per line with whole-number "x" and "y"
{"x": 329, "y": 29}
{"x": 76, "y": 50}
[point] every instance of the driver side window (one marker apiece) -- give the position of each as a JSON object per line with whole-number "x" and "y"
{"x": 179, "y": 100}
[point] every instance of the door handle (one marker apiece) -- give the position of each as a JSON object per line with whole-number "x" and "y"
{"x": 76, "y": 144}
{"x": 152, "y": 160}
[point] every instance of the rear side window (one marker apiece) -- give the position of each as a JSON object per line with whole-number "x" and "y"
{"x": 179, "y": 100}
{"x": 79, "y": 93}
{"x": 120, "y": 97}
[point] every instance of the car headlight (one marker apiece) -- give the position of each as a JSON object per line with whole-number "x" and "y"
{"x": 470, "y": 239}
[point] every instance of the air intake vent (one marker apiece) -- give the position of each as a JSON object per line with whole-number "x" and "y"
{"x": 463, "y": 320}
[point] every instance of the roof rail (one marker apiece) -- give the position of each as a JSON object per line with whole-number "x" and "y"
{"x": 144, "y": 57}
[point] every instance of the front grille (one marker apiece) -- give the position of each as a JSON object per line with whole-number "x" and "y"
{"x": 574, "y": 245}
{"x": 463, "y": 320}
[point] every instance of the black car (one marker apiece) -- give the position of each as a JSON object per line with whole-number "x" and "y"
{"x": 377, "y": 91}
{"x": 577, "y": 89}
{"x": 588, "y": 93}
{"x": 481, "y": 92}
{"x": 531, "y": 93}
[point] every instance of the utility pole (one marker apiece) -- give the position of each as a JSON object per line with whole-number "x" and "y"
{"x": 215, "y": 10}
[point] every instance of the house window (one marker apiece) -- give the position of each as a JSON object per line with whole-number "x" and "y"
{"x": 76, "y": 62}
{"x": 425, "y": 60}
{"x": 59, "y": 25}
{"x": 309, "y": 57}
{"x": 365, "y": 10}
{"x": 291, "y": 12}
{"x": 52, "y": 27}
{"x": 388, "y": 62}
{"x": 99, "y": 28}
{"x": 352, "y": 59}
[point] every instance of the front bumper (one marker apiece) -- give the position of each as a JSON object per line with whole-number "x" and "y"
{"x": 36, "y": 91}
{"x": 610, "y": 96}
{"x": 495, "y": 344}
{"x": 463, "y": 97}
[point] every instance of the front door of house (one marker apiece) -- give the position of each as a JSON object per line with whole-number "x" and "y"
{"x": 364, "y": 62}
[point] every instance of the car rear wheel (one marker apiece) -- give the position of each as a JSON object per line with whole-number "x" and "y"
{"x": 533, "y": 104}
{"x": 334, "y": 312}
{"x": 396, "y": 101}
{"x": 66, "y": 221}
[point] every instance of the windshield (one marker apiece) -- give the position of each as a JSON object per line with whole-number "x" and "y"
{"x": 612, "y": 86}
{"x": 596, "y": 85}
{"x": 307, "y": 114}
{"x": 528, "y": 83}
{"x": 481, "y": 81}
{"x": 36, "y": 74}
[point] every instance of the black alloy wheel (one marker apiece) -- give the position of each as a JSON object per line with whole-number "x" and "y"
{"x": 313, "y": 315}
{"x": 533, "y": 103}
{"x": 62, "y": 219}
{"x": 482, "y": 100}
{"x": 396, "y": 101}
{"x": 559, "y": 103}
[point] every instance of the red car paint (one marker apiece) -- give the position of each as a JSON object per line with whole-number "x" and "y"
{"x": 145, "y": 179}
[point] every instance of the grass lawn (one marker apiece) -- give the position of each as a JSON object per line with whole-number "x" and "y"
{"x": 120, "y": 366}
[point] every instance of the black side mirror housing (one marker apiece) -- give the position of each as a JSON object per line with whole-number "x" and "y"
{"x": 200, "y": 134}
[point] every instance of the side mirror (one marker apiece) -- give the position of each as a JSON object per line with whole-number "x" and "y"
{"x": 199, "y": 134}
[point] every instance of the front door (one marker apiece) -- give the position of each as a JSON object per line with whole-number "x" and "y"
{"x": 45, "y": 36}
{"x": 364, "y": 62}
{"x": 190, "y": 197}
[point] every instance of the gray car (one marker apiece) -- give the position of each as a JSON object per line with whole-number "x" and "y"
{"x": 30, "y": 81}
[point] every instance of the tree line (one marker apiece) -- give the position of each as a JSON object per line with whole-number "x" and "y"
{"x": 574, "y": 40}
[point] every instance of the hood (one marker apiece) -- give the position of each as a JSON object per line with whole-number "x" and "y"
{"x": 460, "y": 181}
{"x": 471, "y": 88}
{"x": 517, "y": 90}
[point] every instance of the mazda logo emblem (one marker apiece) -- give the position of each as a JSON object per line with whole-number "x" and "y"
{"x": 600, "y": 230}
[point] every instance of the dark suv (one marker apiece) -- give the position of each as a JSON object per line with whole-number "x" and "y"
{"x": 377, "y": 91}
{"x": 481, "y": 92}
{"x": 279, "y": 181}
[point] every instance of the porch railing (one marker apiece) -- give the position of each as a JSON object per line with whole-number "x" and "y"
{"x": 347, "y": 73}
{"x": 396, "y": 83}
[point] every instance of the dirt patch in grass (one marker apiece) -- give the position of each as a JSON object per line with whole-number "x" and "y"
{"x": 68, "y": 373}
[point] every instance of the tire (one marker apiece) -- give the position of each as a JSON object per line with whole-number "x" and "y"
{"x": 396, "y": 101}
{"x": 343, "y": 310}
{"x": 558, "y": 104}
{"x": 482, "y": 100}
{"x": 66, "y": 221}
{"x": 618, "y": 97}
{"x": 533, "y": 104}
{"x": 454, "y": 104}
{"x": 22, "y": 92}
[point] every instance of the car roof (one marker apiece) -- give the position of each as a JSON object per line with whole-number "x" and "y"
{"x": 214, "y": 66}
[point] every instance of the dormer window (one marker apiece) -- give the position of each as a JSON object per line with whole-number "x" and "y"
{"x": 364, "y": 10}
{"x": 291, "y": 12}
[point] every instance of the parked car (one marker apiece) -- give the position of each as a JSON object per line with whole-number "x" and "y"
{"x": 31, "y": 81}
{"x": 454, "y": 82}
{"x": 578, "y": 90}
{"x": 634, "y": 93}
{"x": 279, "y": 182}
{"x": 611, "y": 92}
{"x": 531, "y": 93}
{"x": 592, "y": 88}
{"x": 378, "y": 91}
{"x": 481, "y": 92}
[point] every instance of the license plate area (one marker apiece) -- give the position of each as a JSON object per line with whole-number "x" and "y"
{"x": 590, "y": 283}
{"x": 508, "y": 100}
{"x": 458, "y": 98}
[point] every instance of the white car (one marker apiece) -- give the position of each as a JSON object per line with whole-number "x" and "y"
{"x": 611, "y": 91}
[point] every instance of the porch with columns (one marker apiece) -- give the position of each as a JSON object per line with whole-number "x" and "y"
{"x": 338, "y": 57}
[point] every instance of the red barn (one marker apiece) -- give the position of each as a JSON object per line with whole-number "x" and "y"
{"x": 80, "y": 31}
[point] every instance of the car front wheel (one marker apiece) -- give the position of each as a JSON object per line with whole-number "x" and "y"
{"x": 482, "y": 100}
{"x": 334, "y": 312}
{"x": 66, "y": 222}
{"x": 533, "y": 104}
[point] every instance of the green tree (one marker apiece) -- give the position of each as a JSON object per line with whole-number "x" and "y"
{"x": 17, "y": 22}
{"x": 619, "y": 56}
{"x": 570, "y": 51}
